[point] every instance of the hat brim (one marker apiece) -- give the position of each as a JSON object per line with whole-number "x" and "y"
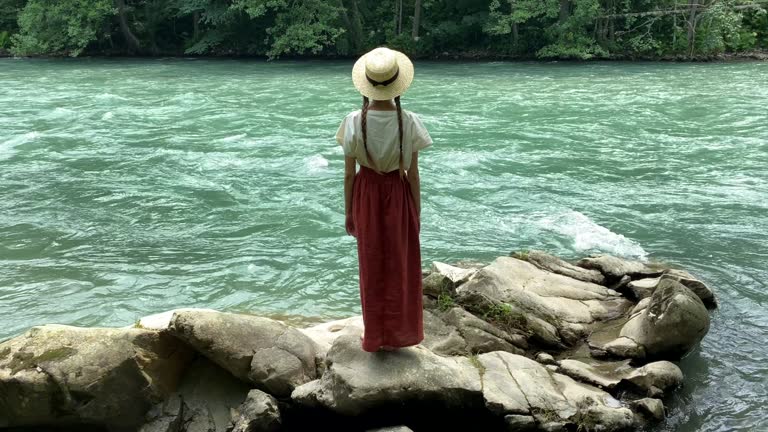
{"x": 398, "y": 87}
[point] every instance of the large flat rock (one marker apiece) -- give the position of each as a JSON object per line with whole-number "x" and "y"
{"x": 356, "y": 381}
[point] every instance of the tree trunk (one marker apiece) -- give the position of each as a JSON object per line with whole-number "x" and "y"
{"x": 196, "y": 25}
{"x": 565, "y": 11}
{"x": 694, "y": 6}
{"x": 515, "y": 29}
{"x": 515, "y": 35}
{"x": 416, "y": 19}
{"x": 400, "y": 16}
{"x": 130, "y": 38}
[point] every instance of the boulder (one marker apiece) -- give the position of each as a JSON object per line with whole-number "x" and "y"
{"x": 516, "y": 422}
{"x": 61, "y": 375}
{"x": 567, "y": 304}
{"x": 643, "y": 288}
{"x": 209, "y": 395}
{"x": 440, "y": 337}
{"x": 649, "y": 407}
{"x": 167, "y": 416}
{"x": 481, "y": 336}
{"x": 554, "y": 264}
{"x": 661, "y": 375}
{"x": 259, "y": 413}
{"x": 357, "y": 381}
{"x": 516, "y": 385}
{"x": 620, "y": 284}
{"x": 615, "y": 268}
{"x": 391, "y": 429}
{"x": 642, "y": 304}
{"x": 673, "y": 323}
{"x": 698, "y": 287}
{"x": 444, "y": 278}
{"x": 324, "y": 334}
{"x": 266, "y": 353}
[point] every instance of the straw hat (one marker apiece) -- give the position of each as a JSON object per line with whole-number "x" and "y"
{"x": 382, "y": 74}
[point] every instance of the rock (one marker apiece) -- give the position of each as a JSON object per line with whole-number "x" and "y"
{"x": 166, "y": 416}
{"x": 615, "y": 268}
{"x": 643, "y": 288}
{"x": 545, "y": 359}
{"x": 554, "y": 264}
{"x": 162, "y": 321}
{"x": 259, "y": 413}
{"x": 698, "y": 287}
{"x": 209, "y": 394}
{"x": 624, "y": 347}
{"x": 642, "y": 304}
{"x": 457, "y": 275}
{"x": 516, "y": 385}
{"x": 661, "y": 375}
{"x": 264, "y": 352}
{"x": 650, "y": 408}
{"x": 435, "y": 285}
{"x": 391, "y": 429}
{"x": 673, "y": 323}
{"x": 324, "y": 334}
{"x": 513, "y": 318}
{"x": 443, "y": 279}
{"x": 442, "y": 338}
{"x": 357, "y": 381}
{"x": 61, "y": 375}
{"x": 567, "y": 304}
{"x": 520, "y": 422}
{"x": 481, "y": 336}
{"x": 621, "y": 284}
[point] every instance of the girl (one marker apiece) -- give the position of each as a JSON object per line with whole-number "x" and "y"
{"x": 383, "y": 200}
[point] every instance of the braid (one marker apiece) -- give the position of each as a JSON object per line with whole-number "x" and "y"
{"x": 364, "y": 124}
{"x": 400, "y": 129}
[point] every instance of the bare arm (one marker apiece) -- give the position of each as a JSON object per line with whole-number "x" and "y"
{"x": 413, "y": 180}
{"x": 350, "y": 165}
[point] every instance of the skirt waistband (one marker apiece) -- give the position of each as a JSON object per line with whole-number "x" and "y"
{"x": 371, "y": 175}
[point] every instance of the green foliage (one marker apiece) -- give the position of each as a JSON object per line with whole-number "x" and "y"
{"x": 445, "y": 302}
{"x": 307, "y": 27}
{"x": 552, "y": 29}
{"x": 475, "y": 361}
{"x": 521, "y": 255}
{"x": 502, "y": 315}
{"x": 64, "y": 27}
{"x": 5, "y": 40}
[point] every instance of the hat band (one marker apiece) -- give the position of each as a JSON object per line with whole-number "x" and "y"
{"x": 383, "y": 83}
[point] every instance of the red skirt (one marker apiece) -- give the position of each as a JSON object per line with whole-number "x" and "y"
{"x": 386, "y": 226}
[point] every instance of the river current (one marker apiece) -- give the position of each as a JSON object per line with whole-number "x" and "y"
{"x": 129, "y": 187}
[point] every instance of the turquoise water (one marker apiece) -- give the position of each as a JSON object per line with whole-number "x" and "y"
{"x": 129, "y": 187}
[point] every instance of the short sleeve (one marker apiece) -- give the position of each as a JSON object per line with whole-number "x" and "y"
{"x": 419, "y": 134}
{"x": 345, "y": 135}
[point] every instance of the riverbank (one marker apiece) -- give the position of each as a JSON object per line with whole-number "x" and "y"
{"x": 759, "y": 55}
{"x": 527, "y": 342}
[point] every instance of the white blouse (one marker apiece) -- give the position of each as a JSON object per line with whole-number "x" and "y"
{"x": 383, "y": 138}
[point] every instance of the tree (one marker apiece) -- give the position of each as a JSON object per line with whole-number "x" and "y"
{"x": 64, "y": 27}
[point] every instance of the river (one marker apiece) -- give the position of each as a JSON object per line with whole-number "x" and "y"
{"x": 129, "y": 187}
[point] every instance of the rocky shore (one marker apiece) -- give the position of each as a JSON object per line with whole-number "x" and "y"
{"x": 527, "y": 342}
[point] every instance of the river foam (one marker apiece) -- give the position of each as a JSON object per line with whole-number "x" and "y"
{"x": 588, "y": 236}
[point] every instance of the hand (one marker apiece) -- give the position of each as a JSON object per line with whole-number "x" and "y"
{"x": 349, "y": 224}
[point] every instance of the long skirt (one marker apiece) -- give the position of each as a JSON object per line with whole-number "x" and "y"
{"x": 388, "y": 250}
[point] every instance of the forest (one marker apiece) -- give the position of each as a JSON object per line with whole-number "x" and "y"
{"x": 506, "y": 29}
